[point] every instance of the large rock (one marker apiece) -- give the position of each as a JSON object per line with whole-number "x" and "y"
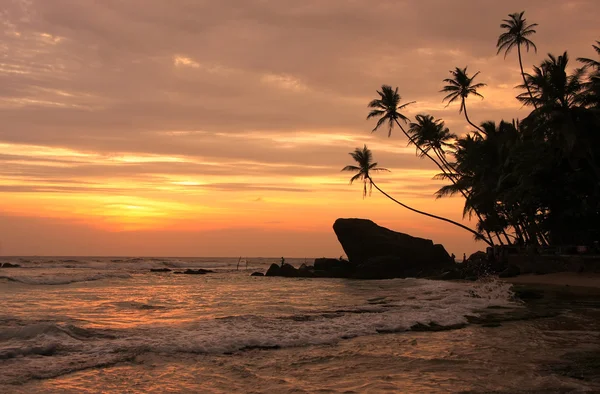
{"x": 378, "y": 252}
{"x": 288, "y": 270}
{"x": 273, "y": 270}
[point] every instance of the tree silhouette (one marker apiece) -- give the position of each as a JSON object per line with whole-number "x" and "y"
{"x": 516, "y": 35}
{"x": 364, "y": 158}
{"x": 459, "y": 87}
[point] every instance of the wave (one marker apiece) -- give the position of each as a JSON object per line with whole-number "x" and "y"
{"x": 63, "y": 278}
{"x": 47, "y": 329}
{"x": 426, "y": 305}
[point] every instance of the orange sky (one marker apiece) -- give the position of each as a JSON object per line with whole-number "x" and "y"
{"x": 203, "y": 128}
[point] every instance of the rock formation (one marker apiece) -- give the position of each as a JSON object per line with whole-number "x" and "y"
{"x": 378, "y": 252}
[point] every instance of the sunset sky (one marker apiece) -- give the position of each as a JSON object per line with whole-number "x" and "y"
{"x": 219, "y": 128}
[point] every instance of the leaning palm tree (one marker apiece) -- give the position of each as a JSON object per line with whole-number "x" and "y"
{"x": 516, "y": 35}
{"x": 459, "y": 87}
{"x": 365, "y": 166}
{"x": 387, "y": 109}
{"x": 432, "y": 135}
{"x": 364, "y": 158}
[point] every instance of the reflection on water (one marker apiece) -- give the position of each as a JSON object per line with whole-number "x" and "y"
{"x": 128, "y": 330}
{"x": 509, "y": 359}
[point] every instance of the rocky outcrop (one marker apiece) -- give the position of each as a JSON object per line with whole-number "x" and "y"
{"x": 273, "y": 270}
{"x": 377, "y": 252}
{"x": 160, "y": 270}
{"x": 257, "y": 274}
{"x": 199, "y": 271}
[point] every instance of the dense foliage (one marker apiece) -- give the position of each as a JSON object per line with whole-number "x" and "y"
{"x": 530, "y": 182}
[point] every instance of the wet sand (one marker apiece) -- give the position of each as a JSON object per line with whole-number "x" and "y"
{"x": 572, "y": 279}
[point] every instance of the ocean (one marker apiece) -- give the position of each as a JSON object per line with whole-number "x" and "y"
{"x": 92, "y": 325}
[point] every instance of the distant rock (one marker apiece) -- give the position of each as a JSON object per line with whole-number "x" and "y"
{"x": 377, "y": 252}
{"x": 9, "y": 265}
{"x": 160, "y": 270}
{"x": 288, "y": 270}
{"x": 194, "y": 272}
{"x": 306, "y": 271}
{"x": 273, "y": 270}
{"x": 257, "y": 274}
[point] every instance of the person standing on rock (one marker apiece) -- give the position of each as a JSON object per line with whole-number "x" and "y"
{"x": 282, "y": 261}
{"x": 464, "y": 257}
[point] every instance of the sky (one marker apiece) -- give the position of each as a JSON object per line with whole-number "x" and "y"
{"x": 219, "y": 128}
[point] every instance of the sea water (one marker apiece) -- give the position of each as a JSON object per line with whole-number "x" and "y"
{"x": 111, "y": 325}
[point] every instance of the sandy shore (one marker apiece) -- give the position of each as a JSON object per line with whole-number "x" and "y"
{"x": 571, "y": 279}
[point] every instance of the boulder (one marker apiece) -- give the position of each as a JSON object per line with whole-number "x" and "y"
{"x": 273, "y": 270}
{"x": 288, "y": 270}
{"x": 379, "y": 253}
{"x": 306, "y": 271}
{"x": 334, "y": 268}
{"x": 257, "y": 274}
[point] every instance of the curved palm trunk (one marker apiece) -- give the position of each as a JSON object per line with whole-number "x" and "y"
{"x": 477, "y": 235}
{"x": 469, "y": 120}
{"x": 463, "y": 192}
{"x": 489, "y": 241}
{"x": 523, "y": 75}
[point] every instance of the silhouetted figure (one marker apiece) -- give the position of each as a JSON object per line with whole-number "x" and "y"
{"x": 453, "y": 257}
{"x": 464, "y": 257}
{"x": 282, "y": 261}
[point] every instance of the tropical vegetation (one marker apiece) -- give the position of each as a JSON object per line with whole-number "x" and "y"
{"x": 529, "y": 182}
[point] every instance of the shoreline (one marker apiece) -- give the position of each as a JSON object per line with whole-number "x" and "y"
{"x": 558, "y": 279}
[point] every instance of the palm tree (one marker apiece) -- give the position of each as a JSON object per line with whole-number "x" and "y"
{"x": 590, "y": 62}
{"x": 551, "y": 87}
{"x": 516, "y": 35}
{"x": 591, "y": 96}
{"x": 364, "y": 159}
{"x": 431, "y": 135}
{"x": 387, "y": 108}
{"x": 459, "y": 87}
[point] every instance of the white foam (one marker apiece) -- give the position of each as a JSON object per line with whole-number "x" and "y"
{"x": 73, "y": 347}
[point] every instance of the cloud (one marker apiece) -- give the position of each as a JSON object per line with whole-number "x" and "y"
{"x": 175, "y": 99}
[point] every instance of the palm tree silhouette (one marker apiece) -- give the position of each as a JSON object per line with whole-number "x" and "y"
{"x": 459, "y": 87}
{"x": 591, "y": 62}
{"x": 364, "y": 159}
{"x": 431, "y": 135}
{"x": 516, "y": 35}
{"x": 387, "y": 108}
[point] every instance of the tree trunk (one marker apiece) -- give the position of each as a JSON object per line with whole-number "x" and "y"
{"x": 477, "y": 235}
{"x": 469, "y": 120}
{"x": 523, "y": 75}
{"x": 445, "y": 171}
